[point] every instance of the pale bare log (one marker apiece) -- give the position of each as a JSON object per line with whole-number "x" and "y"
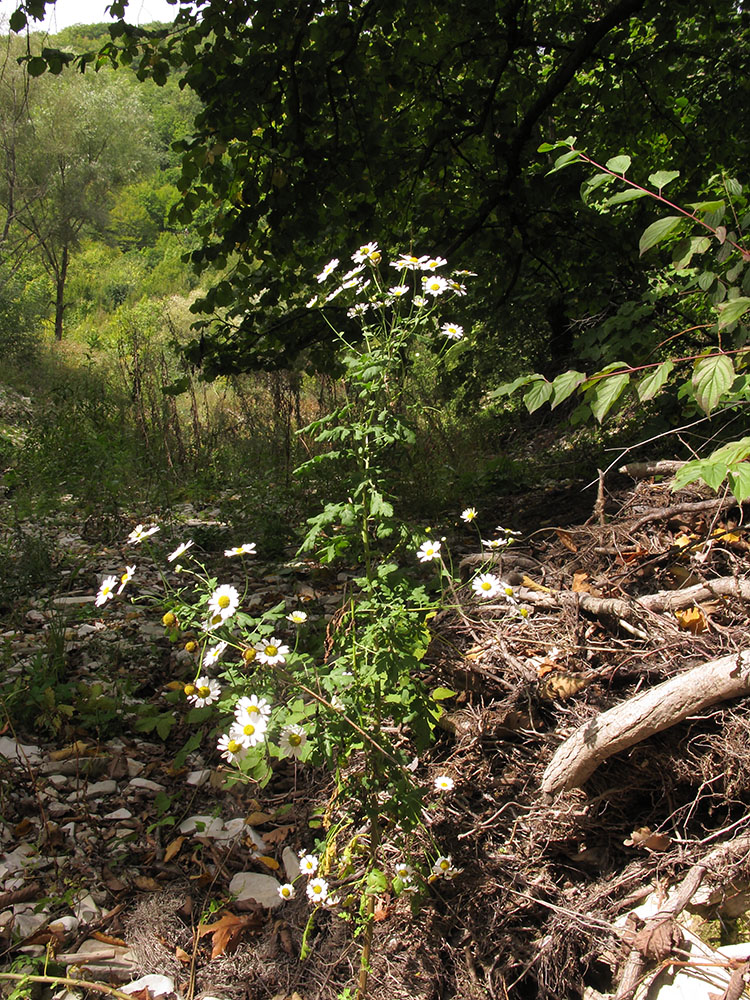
{"x": 639, "y": 470}
{"x": 647, "y": 713}
{"x": 671, "y": 600}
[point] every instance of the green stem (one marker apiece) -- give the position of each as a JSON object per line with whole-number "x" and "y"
{"x": 84, "y": 984}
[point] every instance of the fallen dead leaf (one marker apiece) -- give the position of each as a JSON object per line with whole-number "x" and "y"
{"x": 108, "y": 939}
{"x": 77, "y": 749}
{"x": 561, "y": 685}
{"x": 566, "y": 539}
{"x": 692, "y": 620}
{"x": 146, "y": 884}
{"x": 644, "y": 837}
{"x": 257, "y": 818}
{"x": 276, "y": 836}
{"x": 173, "y": 848}
{"x": 227, "y": 932}
{"x": 182, "y": 956}
{"x": 271, "y": 863}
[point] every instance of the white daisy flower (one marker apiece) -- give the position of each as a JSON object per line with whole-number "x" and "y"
{"x": 271, "y": 651}
{"x": 443, "y": 867}
{"x": 328, "y": 269}
{"x": 357, "y": 310}
{"x": 212, "y": 655}
{"x": 287, "y": 891}
{"x": 494, "y": 543}
{"x": 311, "y": 303}
{"x": 351, "y": 274}
{"x": 428, "y": 551}
{"x": 297, "y": 617}
{"x": 367, "y": 253}
{"x": 398, "y": 290}
{"x": 486, "y": 585}
{"x": 434, "y": 285}
{"x": 248, "y": 549}
{"x": 469, "y": 514}
{"x": 317, "y": 890}
{"x": 253, "y": 706}
{"x": 404, "y": 871}
{"x": 433, "y": 263}
{"x": 126, "y": 577}
{"x": 183, "y": 547}
{"x": 292, "y": 740}
{"x": 308, "y": 863}
{"x": 106, "y": 590}
{"x": 443, "y": 783}
{"x": 408, "y": 262}
{"x": 138, "y": 533}
{"x": 457, "y": 288}
{"x": 231, "y": 749}
{"x": 224, "y": 602}
{"x": 508, "y": 531}
{"x": 205, "y": 692}
{"x": 452, "y": 331}
{"x": 249, "y": 730}
{"x": 419, "y": 301}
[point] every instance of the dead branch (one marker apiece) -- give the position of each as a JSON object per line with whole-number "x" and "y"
{"x": 671, "y": 600}
{"x": 666, "y": 513}
{"x": 644, "y": 715}
{"x": 640, "y": 470}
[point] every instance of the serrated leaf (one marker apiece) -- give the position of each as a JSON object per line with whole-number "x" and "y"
{"x": 618, "y": 164}
{"x": 730, "y": 312}
{"x": 659, "y": 231}
{"x": 565, "y": 385}
{"x": 739, "y": 481}
{"x": 651, "y": 384}
{"x": 712, "y": 377}
{"x": 538, "y": 395}
{"x": 661, "y": 178}
{"x": 606, "y": 394}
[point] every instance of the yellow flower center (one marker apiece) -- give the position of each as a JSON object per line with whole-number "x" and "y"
{"x": 168, "y": 619}
{"x": 294, "y": 739}
{"x": 233, "y": 746}
{"x": 223, "y": 601}
{"x": 248, "y": 729}
{"x": 191, "y": 646}
{"x": 317, "y": 889}
{"x": 204, "y": 691}
{"x": 271, "y": 651}
{"x": 444, "y": 865}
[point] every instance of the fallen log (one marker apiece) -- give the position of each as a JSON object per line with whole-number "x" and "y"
{"x": 645, "y": 714}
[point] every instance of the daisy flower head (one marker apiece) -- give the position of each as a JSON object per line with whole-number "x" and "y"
{"x": 433, "y": 263}
{"x": 457, "y": 288}
{"x": 408, "y": 262}
{"x": 328, "y": 269}
{"x": 106, "y": 590}
{"x": 126, "y": 577}
{"x": 469, "y": 514}
{"x": 212, "y": 655}
{"x": 317, "y": 890}
{"x": 443, "y": 867}
{"x": 507, "y": 592}
{"x": 486, "y": 585}
{"x": 428, "y": 551}
{"x": 443, "y": 783}
{"x": 419, "y": 301}
{"x": 404, "y": 871}
{"x": 205, "y": 692}
{"x": 253, "y": 706}
{"x": 292, "y": 740}
{"x": 359, "y": 309}
{"x": 287, "y": 891}
{"x": 138, "y": 533}
{"x": 434, "y": 285}
{"x": 271, "y": 651}
{"x": 224, "y": 602}
{"x": 183, "y": 547}
{"x": 308, "y": 863}
{"x": 509, "y": 533}
{"x": 311, "y": 303}
{"x": 249, "y": 730}
{"x": 248, "y": 549}
{"x": 398, "y": 290}
{"x": 452, "y": 331}
{"x": 367, "y": 253}
{"x": 494, "y": 543}
{"x": 297, "y": 617}
{"x": 231, "y": 749}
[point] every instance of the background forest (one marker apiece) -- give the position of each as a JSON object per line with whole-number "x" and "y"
{"x": 292, "y": 288}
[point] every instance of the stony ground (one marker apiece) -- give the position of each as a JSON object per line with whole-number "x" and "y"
{"x": 124, "y": 852}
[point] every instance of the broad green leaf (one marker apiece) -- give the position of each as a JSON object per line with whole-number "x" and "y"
{"x": 17, "y": 21}
{"x": 547, "y": 147}
{"x": 538, "y": 395}
{"x": 36, "y": 66}
{"x": 689, "y": 472}
{"x": 712, "y": 377}
{"x": 714, "y": 472}
{"x": 622, "y": 196}
{"x": 661, "y": 178}
{"x": 705, "y": 280}
{"x": 651, "y": 384}
{"x": 565, "y": 385}
{"x": 734, "y": 451}
{"x": 730, "y": 312}
{"x": 614, "y": 366}
{"x": 734, "y": 187}
{"x": 659, "y": 231}
{"x": 683, "y": 252}
{"x": 508, "y": 388}
{"x": 618, "y": 164}
{"x": 739, "y": 481}
{"x": 564, "y": 160}
{"x": 606, "y": 394}
{"x": 441, "y": 693}
{"x": 593, "y": 184}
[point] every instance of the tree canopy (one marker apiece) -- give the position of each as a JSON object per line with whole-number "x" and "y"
{"x": 415, "y": 124}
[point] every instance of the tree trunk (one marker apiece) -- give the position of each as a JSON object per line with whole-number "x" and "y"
{"x": 60, "y": 294}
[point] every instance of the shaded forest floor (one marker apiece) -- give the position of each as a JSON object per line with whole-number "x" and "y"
{"x": 116, "y": 849}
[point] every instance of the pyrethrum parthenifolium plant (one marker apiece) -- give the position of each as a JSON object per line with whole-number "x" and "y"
{"x": 707, "y": 280}
{"x": 353, "y": 700}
